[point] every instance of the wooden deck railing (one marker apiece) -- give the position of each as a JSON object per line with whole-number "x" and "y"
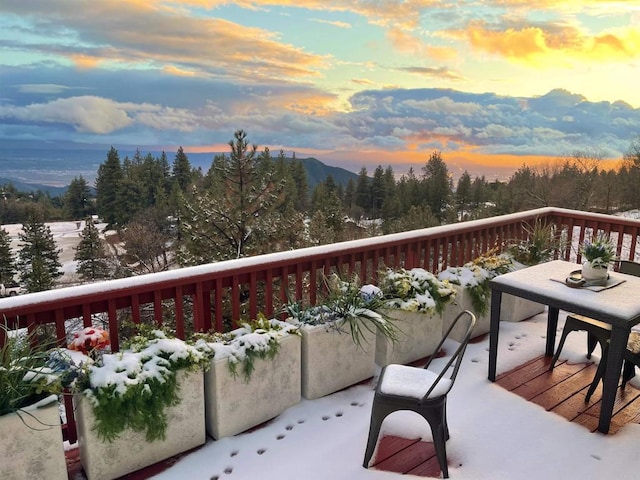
{"x": 196, "y": 297}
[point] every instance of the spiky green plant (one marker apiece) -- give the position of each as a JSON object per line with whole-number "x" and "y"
{"x": 27, "y": 371}
{"x": 347, "y": 306}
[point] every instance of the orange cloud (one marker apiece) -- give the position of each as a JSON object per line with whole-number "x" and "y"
{"x": 554, "y": 44}
{"x": 409, "y": 44}
{"x": 85, "y": 61}
{"x": 171, "y": 70}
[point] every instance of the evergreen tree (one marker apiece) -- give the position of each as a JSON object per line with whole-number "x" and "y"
{"x": 38, "y": 258}
{"x": 437, "y": 185}
{"x": 363, "y": 192}
{"x": 349, "y": 198}
{"x": 90, "y": 254}
{"x": 181, "y": 171}
{"x": 240, "y": 215}
{"x": 131, "y": 195}
{"x": 77, "y": 199}
{"x": 378, "y": 191}
{"x": 418, "y": 216}
{"x": 7, "y": 259}
{"x": 327, "y": 201}
{"x": 108, "y": 182}
{"x": 463, "y": 194}
{"x": 299, "y": 176}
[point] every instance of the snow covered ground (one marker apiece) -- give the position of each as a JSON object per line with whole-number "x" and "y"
{"x": 66, "y": 235}
{"x": 495, "y": 434}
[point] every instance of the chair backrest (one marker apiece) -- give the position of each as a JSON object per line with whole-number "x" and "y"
{"x": 629, "y": 267}
{"x": 456, "y": 359}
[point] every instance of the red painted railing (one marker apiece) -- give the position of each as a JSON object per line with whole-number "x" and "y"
{"x": 197, "y": 297}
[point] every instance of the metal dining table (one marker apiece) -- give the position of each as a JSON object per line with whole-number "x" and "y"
{"x": 618, "y": 305}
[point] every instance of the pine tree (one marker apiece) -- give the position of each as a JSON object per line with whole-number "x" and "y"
{"x": 91, "y": 255}
{"x": 181, "y": 172}
{"x": 38, "y": 258}
{"x": 437, "y": 185}
{"x": 7, "y": 259}
{"x": 108, "y": 182}
{"x": 463, "y": 194}
{"x": 240, "y": 214}
{"x": 77, "y": 199}
{"x": 363, "y": 191}
{"x": 299, "y": 175}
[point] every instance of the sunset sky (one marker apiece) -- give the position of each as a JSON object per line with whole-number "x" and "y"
{"x": 353, "y": 83}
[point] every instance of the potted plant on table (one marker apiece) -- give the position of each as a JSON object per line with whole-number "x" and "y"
{"x": 253, "y": 376}
{"x": 32, "y": 376}
{"x": 339, "y": 336}
{"x": 150, "y": 394}
{"x": 415, "y": 299}
{"x": 598, "y": 253}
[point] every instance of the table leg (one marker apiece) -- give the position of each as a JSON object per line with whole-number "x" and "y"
{"x": 552, "y": 326}
{"x": 617, "y": 345}
{"x": 496, "y": 302}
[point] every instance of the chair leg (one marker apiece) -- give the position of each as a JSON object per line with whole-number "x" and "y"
{"x": 374, "y": 430}
{"x": 563, "y": 338}
{"x": 439, "y": 442}
{"x": 628, "y": 372}
{"x": 598, "y": 376}
{"x": 444, "y": 421}
{"x": 592, "y": 341}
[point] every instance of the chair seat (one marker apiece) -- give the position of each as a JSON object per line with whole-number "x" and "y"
{"x": 406, "y": 381}
{"x": 591, "y": 321}
{"x": 633, "y": 344}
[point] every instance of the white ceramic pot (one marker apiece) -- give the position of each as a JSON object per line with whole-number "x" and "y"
{"x": 331, "y": 360}
{"x": 419, "y": 334}
{"x": 589, "y": 272}
{"x": 234, "y": 405}
{"x": 31, "y": 445}
{"x": 103, "y": 460}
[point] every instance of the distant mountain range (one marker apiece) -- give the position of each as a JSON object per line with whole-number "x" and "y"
{"x": 32, "y": 166}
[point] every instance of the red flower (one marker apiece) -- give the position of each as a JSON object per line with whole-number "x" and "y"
{"x": 89, "y": 339}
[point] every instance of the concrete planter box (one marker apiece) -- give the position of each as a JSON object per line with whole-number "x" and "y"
{"x": 332, "y": 361}
{"x": 418, "y": 337}
{"x": 516, "y": 309}
{"x": 233, "y": 405}
{"x": 129, "y": 452}
{"x": 31, "y": 445}
{"x": 463, "y": 302}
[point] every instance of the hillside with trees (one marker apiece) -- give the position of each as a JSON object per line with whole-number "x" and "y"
{"x": 168, "y": 214}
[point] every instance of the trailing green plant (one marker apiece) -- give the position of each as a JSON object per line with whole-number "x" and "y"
{"x": 134, "y": 387}
{"x": 599, "y": 251}
{"x": 542, "y": 242}
{"x": 416, "y": 290}
{"x": 474, "y": 276}
{"x": 257, "y": 339}
{"x": 29, "y": 370}
{"x": 347, "y": 306}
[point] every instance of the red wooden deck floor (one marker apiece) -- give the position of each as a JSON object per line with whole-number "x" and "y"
{"x": 561, "y": 391}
